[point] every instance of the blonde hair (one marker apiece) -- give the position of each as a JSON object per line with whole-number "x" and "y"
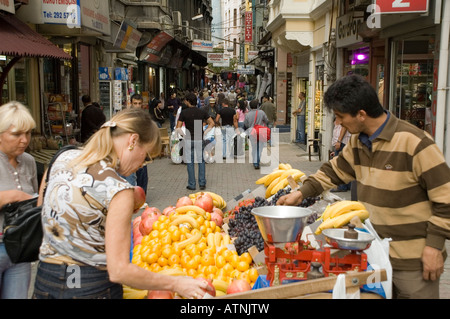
{"x": 18, "y": 116}
{"x": 100, "y": 146}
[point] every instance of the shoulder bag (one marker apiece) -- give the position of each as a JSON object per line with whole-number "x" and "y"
{"x": 22, "y": 229}
{"x": 260, "y": 132}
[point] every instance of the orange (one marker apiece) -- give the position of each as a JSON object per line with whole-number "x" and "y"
{"x": 228, "y": 268}
{"x": 151, "y": 258}
{"x": 246, "y": 257}
{"x": 154, "y": 234}
{"x": 144, "y": 240}
{"x": 192, "y": 264}
{"x": 175, "y": 235}
{"x": 234, "y": 260}
{"x": 242, "y": 266}
{"x": 184, "y": 230}
{"x": 173, "y": 260}
{"x": 212, "y": 225}
{"x": 210, "y": 270}
{"x": 227, "y": 254}
{"x": 203, "y": 229}
{"x": 167, "y": 251}
{"x": 201, "y": 246}
{"x": 156, "y": 225}
{"x": 166, "y": 239}
{"x": 162, "y": 233}
{"x": 184, "y": 260}
{"x": 253, "y": 274}
{"x": 163, "y": 218}
{"x": 200, "y": 220}
{"x": 220, "y": 261}
{"x": 192, "y": 272}
{"x": 155, "y": 267}
{"x": 172, "y": 228}
{"x": 162, "y": 261}
{"x": 244, "y": 276}
{"x": 208, "y": 260}
{"x": 177, "y": 250}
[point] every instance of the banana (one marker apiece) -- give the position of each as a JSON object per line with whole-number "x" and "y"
{"x": 220, "y": 293}
{"x": 343, "y": 206}
{"x": 131, "y": 293}
{"x": 226, "y": 240}
{"x": 192, "y": 240}
{"x": 280, "y": 185}
{"x": 326, "y": 213}
{"x": 185, "y": 209}
{"x": 272, "y": 177}
{"x": 344, "y": 219}
{"x": 217, "y": 239}
{"x": 185, "y": 219}
{"x": 210, "y": 240}
{"x": 172, "y": 272}
{"x": 288, "y": 172}
{"x": 220, "y": 285}
{"x": 271, "y": 186}
{"x": 283, "y": 166}
{"x": 219, "y": 199}
{"x": 326, "y": 223}
{"x": 262, "y": 180}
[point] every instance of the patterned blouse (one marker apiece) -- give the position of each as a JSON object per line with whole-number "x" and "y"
{"x": 74, "y": 212}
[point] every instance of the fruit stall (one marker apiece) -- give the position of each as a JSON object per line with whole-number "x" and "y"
{"x": 251, "y": 248}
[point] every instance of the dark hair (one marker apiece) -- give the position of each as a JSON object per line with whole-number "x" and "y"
{"x": 191, "y": 98}
{"x": 242, "y": 105}
{"x": 136, "y": 97}
{"x": 254, "y": 104}
{"x": 351, "y": 94}
{"x": 226, "y": 101}
{"x": 85, "y": 99}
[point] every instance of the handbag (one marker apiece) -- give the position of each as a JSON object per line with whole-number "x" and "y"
{"x": 260, "y": 132}
{"x": 22, "y": 227}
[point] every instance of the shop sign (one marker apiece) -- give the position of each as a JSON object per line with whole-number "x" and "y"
{"x": 104, "y": 74}
{"x": 94, "y": 15}
{"x": 7, "y": 5}
{"x": 121, "y": 74}
{"x": 127, "y": 38}
{"x": 251, "y": 55}
{"x": 401, "y": 6}
{"x": 248, "y": 30}
{"x": 202, "y": 45}
{"x": 245, "y": 69}
{"x": 214, "y": 57}
{"x": 61, "y": 12}
{"x": 153, "y": 50}
{"x": 348, "y": 28}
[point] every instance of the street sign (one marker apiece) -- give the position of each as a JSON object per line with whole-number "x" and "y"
{"x": 401, "y": 6}
{"x": 245, "y": 69}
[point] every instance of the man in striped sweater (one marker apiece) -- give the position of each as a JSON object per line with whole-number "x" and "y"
{"x": 402, "y": 179}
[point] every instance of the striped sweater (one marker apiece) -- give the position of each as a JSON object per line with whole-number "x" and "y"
{"x": 405, "y": 184}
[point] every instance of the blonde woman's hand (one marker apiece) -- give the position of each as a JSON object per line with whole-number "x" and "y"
{"x": 190, "y": 288}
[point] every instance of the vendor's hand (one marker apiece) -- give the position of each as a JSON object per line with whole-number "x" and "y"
{"x": 190, "y": 288}
{"x": 292, "y": 199}
{"x": 433, "y": 263}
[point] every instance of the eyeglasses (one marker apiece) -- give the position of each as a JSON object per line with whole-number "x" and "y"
{"x": 148, "y": 159}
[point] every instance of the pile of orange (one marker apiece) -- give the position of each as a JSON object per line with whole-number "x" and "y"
{"x": 160, "y": 250}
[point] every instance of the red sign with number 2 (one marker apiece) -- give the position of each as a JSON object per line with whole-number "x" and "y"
{"x": 401, "y": 6}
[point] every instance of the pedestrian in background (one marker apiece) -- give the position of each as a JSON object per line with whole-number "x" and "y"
{"x": 341, "y": 137}
{"x": 194, "y": 119}
{"x": 137, "y": 101}
{"x": 255, "y": 117}
{"x": 226, "y": 118}
{"x": 300, "y": 112}
{"x": 402, "y": 179}
{"x": 92, "y": 118}
{"x": 172, "y": 108}
{"x": 18, "y": 182}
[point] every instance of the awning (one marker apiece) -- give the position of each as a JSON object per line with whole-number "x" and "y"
{"x": 18, "y": 39}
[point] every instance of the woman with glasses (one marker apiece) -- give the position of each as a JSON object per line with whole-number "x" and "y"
{"x": 87, "y": 212}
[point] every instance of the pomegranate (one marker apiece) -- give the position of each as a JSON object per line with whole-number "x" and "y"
{"x": 137, "y": 240}
{"x": 149, "y": 215}
{"x": 160, "y": 294}
{"x": 136, "y": 222}
{"x": 238, "y": 285}
{"x": 139, "y": 197}
{"x": 168, "y": 210}
{"x": 210, "y": 289}
{"x": 217, "y": 219}
{"x": 205, "y": 201}
{"x": 184, "y": 201}
{"x": 218, "y": 211}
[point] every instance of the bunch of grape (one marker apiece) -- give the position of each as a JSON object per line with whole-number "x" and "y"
{"x": 306, "y": 202}
{"x": 245, "y": 227}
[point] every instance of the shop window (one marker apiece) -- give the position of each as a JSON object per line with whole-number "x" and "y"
{"x": 357, "y": 61}
{"x": 318, "y": 98}
{"x": 414, "y": 80}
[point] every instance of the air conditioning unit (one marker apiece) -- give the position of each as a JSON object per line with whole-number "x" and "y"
{"x": 186, "y": 29}
{"x": 176, "y": 17}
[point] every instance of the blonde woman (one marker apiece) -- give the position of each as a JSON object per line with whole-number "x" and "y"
{"x": 18, "y": 182}
{"x": 87, "y": 215}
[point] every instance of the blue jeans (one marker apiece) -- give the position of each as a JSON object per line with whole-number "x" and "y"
{"x": 227, "y": 138}
{"x": 74, "y": 282}
{"x": 193, "y": 153}
{"x": 257, "y": 148}
{"x": 142, "y": 178}
{"x": 301, "y": 138}
{"x": 14, "y": 278}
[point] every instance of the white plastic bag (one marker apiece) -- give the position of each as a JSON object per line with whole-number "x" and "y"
{"x": 378, "y": 258}
{"x": 340, "y": 291}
